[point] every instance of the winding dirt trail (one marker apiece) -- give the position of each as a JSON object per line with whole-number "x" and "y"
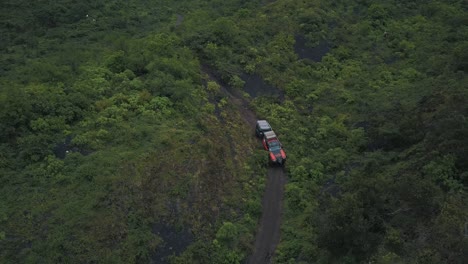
{"x": 268, "y": 232}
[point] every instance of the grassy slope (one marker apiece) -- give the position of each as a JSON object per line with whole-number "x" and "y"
{"x": 130, "y": 94}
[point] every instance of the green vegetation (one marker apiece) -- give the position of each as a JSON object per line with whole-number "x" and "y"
{"x": 376, "y": 132}
{"x": 144, "y": 149}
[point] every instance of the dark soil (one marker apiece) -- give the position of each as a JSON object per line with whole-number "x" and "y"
{"x": 268, "y": 233}
{"x": 174, "y": 242}
{"x": 312, "y": 53}
{"x": 255, "y": 86}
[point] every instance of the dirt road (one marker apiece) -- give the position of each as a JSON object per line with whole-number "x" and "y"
{"x": 268, "y": 232}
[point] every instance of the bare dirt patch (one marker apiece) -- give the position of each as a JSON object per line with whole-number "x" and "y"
{"x": 304, "y": 51}
{"x": 255, "y": 86}
{"x": 174, "y": 242}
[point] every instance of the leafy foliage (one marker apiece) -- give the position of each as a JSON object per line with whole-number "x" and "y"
{"x": 109, "y": 128}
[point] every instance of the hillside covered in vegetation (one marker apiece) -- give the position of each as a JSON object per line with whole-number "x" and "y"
{"x": 120, "y": 144}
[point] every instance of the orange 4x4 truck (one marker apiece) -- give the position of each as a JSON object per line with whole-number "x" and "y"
{"x": 273, "y": 145}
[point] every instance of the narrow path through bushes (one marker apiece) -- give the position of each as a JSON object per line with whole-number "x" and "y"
{"x": 268, "y": 232}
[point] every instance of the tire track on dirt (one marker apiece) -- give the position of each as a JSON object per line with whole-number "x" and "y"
{"x": 268, "y": 232}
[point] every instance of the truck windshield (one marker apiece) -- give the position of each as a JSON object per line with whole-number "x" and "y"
{"x": 274, "y": 145}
